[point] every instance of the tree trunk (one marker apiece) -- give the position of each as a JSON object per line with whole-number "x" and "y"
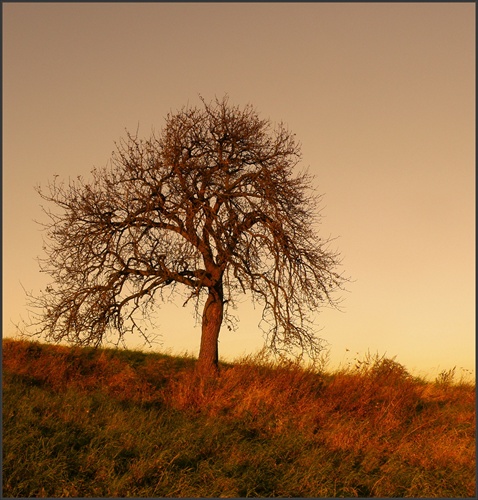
{"x": 211, "y": 324}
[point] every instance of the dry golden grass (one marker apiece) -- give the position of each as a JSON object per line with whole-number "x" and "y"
{"x": 259, "y": 429}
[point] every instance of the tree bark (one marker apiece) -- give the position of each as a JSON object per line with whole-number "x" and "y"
{"x": 211, "y": 325}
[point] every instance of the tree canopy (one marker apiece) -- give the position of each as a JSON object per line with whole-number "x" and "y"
{"x": 212, "y": 207}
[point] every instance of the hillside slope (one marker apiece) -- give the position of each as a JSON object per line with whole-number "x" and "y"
{"x": 106, "y": 423}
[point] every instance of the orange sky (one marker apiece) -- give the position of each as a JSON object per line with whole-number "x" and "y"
{"x": 381, "y": 96}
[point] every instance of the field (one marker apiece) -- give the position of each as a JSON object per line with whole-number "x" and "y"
{"x": 110, "y": 423}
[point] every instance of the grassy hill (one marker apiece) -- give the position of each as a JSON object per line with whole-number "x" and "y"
{"x": 111, "y": 423}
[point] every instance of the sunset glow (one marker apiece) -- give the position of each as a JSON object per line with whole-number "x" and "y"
{"x": 381, "y": 97}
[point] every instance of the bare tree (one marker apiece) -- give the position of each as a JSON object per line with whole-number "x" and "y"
{"x": 211, "y": 206}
